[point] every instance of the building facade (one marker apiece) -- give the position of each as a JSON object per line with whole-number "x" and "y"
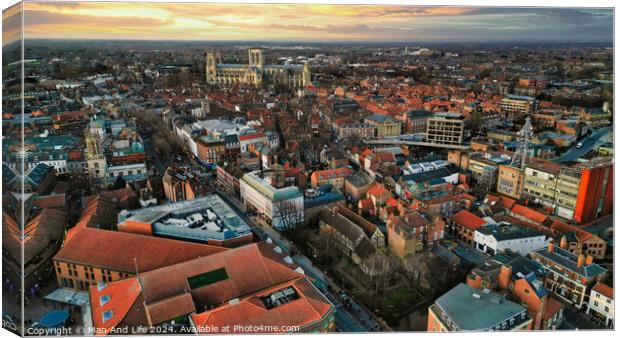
{"x": 256, "y": 72}
{"x": 468, "y": 309}
{"x": 601, "y": 304}
{"x": 445, "y": 128}
{"x": 384, "y": 124}
{"x": 518, "y": 104}
{"x": 569, "y": 276}
{"x": 282, "y": 208}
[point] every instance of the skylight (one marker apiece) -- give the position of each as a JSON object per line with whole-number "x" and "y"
{"x": 107, "y": 315}
{"x": 103, "y": 300}
{"x": 207, "y": 278}
{"x": 100, "y": 286}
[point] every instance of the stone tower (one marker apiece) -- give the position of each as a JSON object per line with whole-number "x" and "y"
{"x": 213, "y": 58}
{"x": 306, "y": 75}
{"x": 94, "y": 155}
{"x": 256, "y": 58}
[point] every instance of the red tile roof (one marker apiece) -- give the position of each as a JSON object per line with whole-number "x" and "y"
{"x": 251, "y": 136}
{"x": 392, "y": 202}
{"x": 331, "y": 173}
{"x": 468, "y": 220}
{"x": 366, "y": 204}
{"x": 528, "y": 213}
{"x": 49, "y": 201}
{"x": 604, "y": 290}
{"x": 553, "y": 307}
{"x": 251, "y": 271}
{"x": 377, "y": 190}
{"x": 507, "y": 202}
{"x": 563, "y": 228}
{"x": 309, "y": 308}
{"x": 120, "y": 195}
{"x": 116, "y": 250}
{"x": 122, "y": 296}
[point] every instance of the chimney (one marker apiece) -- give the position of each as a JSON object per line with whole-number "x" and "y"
{"x": 551, "y": 247}
{"x": 580, "y": 260}
{"x": 563, "y": 243}
{"x": 589, "y": 259}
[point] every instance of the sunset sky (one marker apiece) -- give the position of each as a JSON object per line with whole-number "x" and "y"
{"x": 195, "y": 21}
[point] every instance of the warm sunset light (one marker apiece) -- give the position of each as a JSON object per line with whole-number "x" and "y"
{"x": 197, "y": 21}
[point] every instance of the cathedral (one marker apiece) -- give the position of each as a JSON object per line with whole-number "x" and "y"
{"x": 256, "y": 72}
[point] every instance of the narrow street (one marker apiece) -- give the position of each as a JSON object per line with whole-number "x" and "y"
{"x": 354, "y": 320}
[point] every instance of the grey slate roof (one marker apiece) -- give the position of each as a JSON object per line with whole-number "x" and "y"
{"x": 569, "y": 261}
{"x": 484, "y": 312}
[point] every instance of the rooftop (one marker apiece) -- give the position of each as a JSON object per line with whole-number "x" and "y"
{"x": 504, "y": 232}
{"x": 266, "y": 189}
{"x": 472, "y": 309}
{"x": 118, "y": 250}
{"x": 604, "y": 290}
{"x": 569, "y": 260}
{"x": 468, "y": 220}
{"x": 203, "y": 219}
{"x": 217, "y": 290}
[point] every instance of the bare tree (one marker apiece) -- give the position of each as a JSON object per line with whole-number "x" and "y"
{"x": 290, "y": 214}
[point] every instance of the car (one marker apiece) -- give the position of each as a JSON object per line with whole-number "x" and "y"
{"x": 579, "y": 145}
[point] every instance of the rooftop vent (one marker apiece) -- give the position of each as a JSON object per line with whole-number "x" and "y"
{"x": 234, "y": 301}
{"x": 277, "y": 249}
{"x": 475, "y": 295}
{"x": 486, "y": 291}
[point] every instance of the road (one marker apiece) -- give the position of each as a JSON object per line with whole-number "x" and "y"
{"x": 354, "y": 320}
{"x": 578, "y": 320}
{"x": 588, "y": 144}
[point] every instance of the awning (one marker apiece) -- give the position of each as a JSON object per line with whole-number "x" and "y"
{"x": 69, "y": 296}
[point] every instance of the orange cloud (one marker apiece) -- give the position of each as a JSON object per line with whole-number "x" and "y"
{"x": 212, "y": 21}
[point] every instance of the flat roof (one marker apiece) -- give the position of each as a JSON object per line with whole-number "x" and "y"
{"x": 473, "y": 309}
{"x": 205, "y": 218}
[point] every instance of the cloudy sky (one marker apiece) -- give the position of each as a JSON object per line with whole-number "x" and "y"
{"x": 195, "y": 21}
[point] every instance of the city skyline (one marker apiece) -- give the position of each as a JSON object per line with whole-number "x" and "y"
{"x": 297, "y": 22}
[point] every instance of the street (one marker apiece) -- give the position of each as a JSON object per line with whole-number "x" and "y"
{"x": 354, "y": 320}
{"x": 588, "y": 144}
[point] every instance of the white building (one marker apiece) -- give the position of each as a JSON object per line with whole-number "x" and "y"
{"x": 283, "y": 208}
{"x": 499, "y": 237}
{"x": 252, "y": 139}
{"x": 601, "y": 304}
{"x": 130, "y": 172}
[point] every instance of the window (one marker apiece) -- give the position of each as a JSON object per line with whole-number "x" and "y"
{"x": 207, "y": 278}
{"x": 107, "y": 315}
{"x": 103, "y": 300}
{"x": 598, "y": 295}
{"x": 606, "y": 309}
